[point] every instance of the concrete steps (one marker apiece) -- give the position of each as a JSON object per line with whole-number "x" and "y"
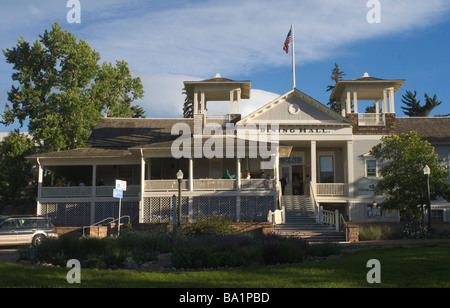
{"x": 301, "y": 222}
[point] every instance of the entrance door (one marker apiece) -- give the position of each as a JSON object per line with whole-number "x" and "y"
{"x": 286, "y": 178}
{"x": 295, "y": 179}
{"x": 298, "y": 180}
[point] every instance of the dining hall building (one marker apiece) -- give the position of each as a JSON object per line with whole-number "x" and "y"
{"x": 292, "y": 159}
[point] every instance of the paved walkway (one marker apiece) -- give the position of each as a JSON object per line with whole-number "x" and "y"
{"x": 396, "y": 242}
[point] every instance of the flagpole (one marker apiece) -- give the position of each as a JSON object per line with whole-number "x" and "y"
{"x": 293, "y": 56}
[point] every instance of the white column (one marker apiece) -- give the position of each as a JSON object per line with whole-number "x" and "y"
{"x": 313, "y": 164}
{"x": 377, "y": 111}
{"x": 39, "y": 194}
{"x": 349, "y": 102}
{"x": 238, "y": 174}
{"x": 232, "y": 102}
{"x": 343, "y": 111}
{"x": 391, "y": 101}
{"x": 191, "y": 174}
{"x": 141, "y": 202}
{"x": 239, "y": 96}
{"x": 202, "y": 103}
{"x": 94, "y": 192}
{"x": 355, "y": 101}
{"x": 350, "y": 167}
{"x": 384, "y": 101}
{"x": 195, "y": 103}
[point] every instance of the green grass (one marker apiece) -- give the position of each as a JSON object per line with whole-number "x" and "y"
{"x": 424, "y": 265}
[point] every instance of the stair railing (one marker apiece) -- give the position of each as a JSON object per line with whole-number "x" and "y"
{"x": 330, "y": 218}
{"x": 345, "y": 226}
{"x": 317, "y": 213}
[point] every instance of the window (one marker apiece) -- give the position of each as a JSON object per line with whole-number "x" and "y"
{"x": 326, "y": 168}
{"x": 437, "y": 215}
{"x": 371, "y": 168}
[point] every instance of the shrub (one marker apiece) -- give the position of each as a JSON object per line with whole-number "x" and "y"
{"x": 415, "y": 230}
{"x": 156, "y": 241}
{"x": 277, "y": 250}
{"x": 324, "y": 249}
{"x": 380, "y": 232}
{"x": 215, "y": 225}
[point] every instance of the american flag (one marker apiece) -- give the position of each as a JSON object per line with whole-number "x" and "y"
{"x": 287, "y": 42}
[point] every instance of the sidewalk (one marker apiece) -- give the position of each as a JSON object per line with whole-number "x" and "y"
{"x": 396, "y": 242}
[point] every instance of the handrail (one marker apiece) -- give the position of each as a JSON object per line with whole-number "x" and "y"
{"x": 109, "y": 218}
{"x": 97, "y": 223}
{"x": 129, "y": 218}
{"x": 345, "y": 226}
{"x": 316, "y": 206}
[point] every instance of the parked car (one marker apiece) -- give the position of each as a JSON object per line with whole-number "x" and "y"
{"x": 18, "y": 230}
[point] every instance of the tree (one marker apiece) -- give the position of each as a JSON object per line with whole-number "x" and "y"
{"x": 15, "y": 169}
{"x": 63, "y": 90}
{"x": 188, "y": 111}
{"x": 403, "y": 180}
{"x": 414, "y": 108}
{"x": 336, "y": 75}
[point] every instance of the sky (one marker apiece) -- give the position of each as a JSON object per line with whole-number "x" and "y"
{"x": 168, "y": 42}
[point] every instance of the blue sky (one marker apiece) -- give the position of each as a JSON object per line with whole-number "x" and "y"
{"x": 168, "y": 42}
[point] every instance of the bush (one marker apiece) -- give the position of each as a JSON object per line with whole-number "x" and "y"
{"x": 236, "y": 251}
{"x": 380, "y": 232}
{"x": 156, "y": 241}
{"x": 215, "y": 225}
{"x": 277, "y": 250}
{"x": 323, "y": 249}
{"x": 415, "y": 230}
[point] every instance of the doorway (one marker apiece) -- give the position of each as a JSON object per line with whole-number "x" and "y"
{"x": 294, "y": 176}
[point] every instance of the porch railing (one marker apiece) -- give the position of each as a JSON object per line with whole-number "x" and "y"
{"x": 331, "y": 189}
{"x": 258, "y": 184}
{"x": 165, "y": 185}
{"x": 86, "y": 191}
{"x": 371, "y": 119}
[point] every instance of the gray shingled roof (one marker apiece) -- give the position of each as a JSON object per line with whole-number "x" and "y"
{"x": 433, "y": 129}
{"x": 119, "y": 133}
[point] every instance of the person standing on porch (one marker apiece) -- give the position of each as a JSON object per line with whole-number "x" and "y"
{"x": 227, "y": 175}
{"x": 307, "y": 184}
{"x": 283, "y": 182}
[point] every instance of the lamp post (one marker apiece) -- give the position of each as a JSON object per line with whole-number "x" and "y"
{"x": 427, "y": 172}
{"x": 180, "y": 180}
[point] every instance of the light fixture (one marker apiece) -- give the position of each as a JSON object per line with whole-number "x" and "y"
{"x": 180, "y": 175}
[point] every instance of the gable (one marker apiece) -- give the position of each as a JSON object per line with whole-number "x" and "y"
{"x": 295, "y": 107}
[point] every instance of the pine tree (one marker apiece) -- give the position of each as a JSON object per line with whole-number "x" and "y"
{"x": 414, "y": 108}
{"x": 336, "y": 75}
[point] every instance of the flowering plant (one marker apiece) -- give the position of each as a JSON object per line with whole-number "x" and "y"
{"x": 415, "y": 230}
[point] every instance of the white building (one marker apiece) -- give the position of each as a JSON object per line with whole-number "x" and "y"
{"x": 323, "y": 156}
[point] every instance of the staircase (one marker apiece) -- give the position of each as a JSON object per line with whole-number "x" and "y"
{"x": 301, "y": 222}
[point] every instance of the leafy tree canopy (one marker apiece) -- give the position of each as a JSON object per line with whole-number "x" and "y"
{"x": 403, "y": 158}
{"x": 63, "y": 91}
{"x": 15, "y": 169}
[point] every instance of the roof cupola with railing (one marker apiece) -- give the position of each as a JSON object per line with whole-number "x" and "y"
{"x": 379, "y": 113}
{"x": 217, "y": 89}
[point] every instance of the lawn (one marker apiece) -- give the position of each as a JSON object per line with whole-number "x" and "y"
{"x": 421, "y": 265}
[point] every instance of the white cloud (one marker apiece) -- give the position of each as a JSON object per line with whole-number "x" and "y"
{"x": 166, "y": 42}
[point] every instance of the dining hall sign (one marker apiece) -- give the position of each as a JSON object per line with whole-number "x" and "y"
{"x": 298, "y": 130}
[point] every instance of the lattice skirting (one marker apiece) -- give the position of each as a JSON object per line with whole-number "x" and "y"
{"x": 79, "y": 214}
{"x": 249, "y": 208}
